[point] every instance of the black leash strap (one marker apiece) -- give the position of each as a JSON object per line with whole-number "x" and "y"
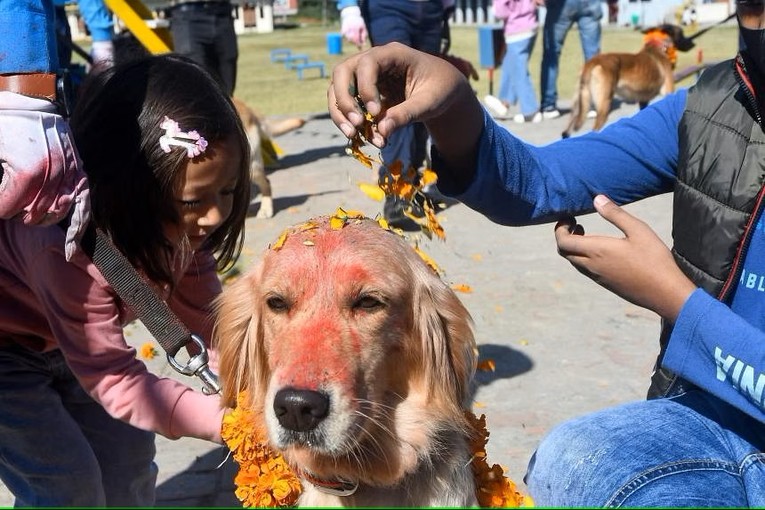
{"x": 710, "y": 27}
{"x": 155, "y": 314}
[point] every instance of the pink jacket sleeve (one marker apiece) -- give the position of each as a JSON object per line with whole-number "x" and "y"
{"x": 86, "y": 320}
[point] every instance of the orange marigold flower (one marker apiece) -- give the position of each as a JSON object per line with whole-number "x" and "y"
{"x": 148, "y": 351}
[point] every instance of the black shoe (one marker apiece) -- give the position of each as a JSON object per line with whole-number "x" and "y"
{"x": 393, "y": 212}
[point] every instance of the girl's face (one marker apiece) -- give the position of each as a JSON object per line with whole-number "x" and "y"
{"x": 205, "y": 194}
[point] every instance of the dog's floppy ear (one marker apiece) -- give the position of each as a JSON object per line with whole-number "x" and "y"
{"x": 238, "y": 338}
{"x": 445, "y": 329}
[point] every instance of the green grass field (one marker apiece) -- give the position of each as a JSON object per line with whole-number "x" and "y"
{"x": 274, "y": 90}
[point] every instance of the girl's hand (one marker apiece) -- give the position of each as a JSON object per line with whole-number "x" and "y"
{"x": 638, "y": 267}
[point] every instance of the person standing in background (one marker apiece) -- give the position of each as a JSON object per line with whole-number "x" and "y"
{"x": 419, "y": 25}
{"x": 561, "y": 15}
{"x": 204, "y": 32}
{"x": 520, "y": 29}
{"x": 100, "y": 23}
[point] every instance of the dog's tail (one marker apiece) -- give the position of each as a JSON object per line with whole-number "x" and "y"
{"x": 581, "y": 103}
{"x": 276, "y": 127}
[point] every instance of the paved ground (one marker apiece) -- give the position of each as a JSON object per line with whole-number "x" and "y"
{"x": 563, "y": 346}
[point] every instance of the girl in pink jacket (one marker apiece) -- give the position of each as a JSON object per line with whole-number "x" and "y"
{"x": 520, "y": 23}
{"x": 167, "y": 164}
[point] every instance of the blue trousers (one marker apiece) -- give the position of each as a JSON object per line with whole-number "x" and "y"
{"x": 561, "y": 15}
{"x": 515, "y": 86}
{"x": 58, "y": 447}
{"x": 692, "y": 450}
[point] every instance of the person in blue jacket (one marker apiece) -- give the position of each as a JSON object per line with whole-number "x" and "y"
{"x": 698, "y": 440}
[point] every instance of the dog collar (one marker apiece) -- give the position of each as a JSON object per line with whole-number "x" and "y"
{"x": 338, "y": 487}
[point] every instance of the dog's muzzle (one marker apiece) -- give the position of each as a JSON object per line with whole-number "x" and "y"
{"x": 300, "y": 410}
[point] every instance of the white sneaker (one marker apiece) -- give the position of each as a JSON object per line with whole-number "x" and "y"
{"x": 496, "y": 105}
{"x": 533, "y": 117}
{"x": 550, "y": 113}
{"x": 592, "y": 114}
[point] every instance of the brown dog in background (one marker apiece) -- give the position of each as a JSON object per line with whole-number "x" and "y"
{"x": 633, "y": 77}
{"x": 259, "y": 131}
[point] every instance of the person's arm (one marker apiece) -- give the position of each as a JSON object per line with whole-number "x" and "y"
{"x": 516, "y": 183}
{"x": 100, "y": 23}
{"x": 501, "y": 9}
{"x": 710, "y": 345}
{"x": 719, "y": 351}
{"x": 86, "y": 320}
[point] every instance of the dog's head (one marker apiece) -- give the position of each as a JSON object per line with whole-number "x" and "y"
{"x": 675, "y": 34}
{"x": 357, "y": 354}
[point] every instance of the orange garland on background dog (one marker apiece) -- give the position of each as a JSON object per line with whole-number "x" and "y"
{"x": 266, "y": 480}
{"x": 657, "y": 37}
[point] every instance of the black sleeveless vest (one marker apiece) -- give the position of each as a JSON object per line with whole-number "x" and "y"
{"x": 719, "y": 191}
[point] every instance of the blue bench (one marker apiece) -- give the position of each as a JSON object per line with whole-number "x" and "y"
{"x": 280, "y": 54}
{"x": 309, "y": 65}
{"x": 296, "y": 59}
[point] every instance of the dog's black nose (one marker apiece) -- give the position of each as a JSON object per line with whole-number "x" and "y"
{"x": 300, "y": 410}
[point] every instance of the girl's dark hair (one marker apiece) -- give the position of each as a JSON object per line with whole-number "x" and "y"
{"x": 133, "y": 182}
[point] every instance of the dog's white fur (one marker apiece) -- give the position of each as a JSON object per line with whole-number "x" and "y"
{"x": 260, "y": 129}
{"x": 355, "y": 316}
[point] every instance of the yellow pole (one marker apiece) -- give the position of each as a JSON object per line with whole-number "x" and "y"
{"x": 141, "y": 22}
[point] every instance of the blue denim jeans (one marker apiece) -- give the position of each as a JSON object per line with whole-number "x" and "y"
{"x": 58, "y": 447}
{"x": 515, "y": 85}
{"x": 692, "y": 450}
{"x": 561, "y": 15}
{"x": 417, "y": 25}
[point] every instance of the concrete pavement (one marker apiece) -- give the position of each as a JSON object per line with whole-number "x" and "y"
{"x": 563, "y": 346}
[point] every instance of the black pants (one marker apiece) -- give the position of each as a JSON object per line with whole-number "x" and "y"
{"x": 204, "y": 32}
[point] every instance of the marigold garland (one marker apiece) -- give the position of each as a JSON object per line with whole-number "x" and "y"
{"x": 266, "y": 480}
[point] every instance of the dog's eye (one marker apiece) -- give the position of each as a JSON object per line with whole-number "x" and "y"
{"x": 277, "y": 304}
{"x": 367, "y": 303}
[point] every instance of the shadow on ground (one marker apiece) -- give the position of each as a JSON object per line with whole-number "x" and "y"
{"x": 508, "y": 363}
{"x": 207, "y": 482}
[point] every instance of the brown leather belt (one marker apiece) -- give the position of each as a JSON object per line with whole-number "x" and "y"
{"x": 39, "y": 85}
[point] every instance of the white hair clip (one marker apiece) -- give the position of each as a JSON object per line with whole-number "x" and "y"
{"x": 193, "y": 142}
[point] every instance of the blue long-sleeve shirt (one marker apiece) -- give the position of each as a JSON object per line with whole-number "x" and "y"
{"x": 719, "y": 348}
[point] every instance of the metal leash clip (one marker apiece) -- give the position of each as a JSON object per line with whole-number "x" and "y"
{"x": 197, "y": 366}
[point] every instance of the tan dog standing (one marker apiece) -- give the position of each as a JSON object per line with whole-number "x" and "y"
{"x": 259, "y": 131}
{"x": 633, "y": 77}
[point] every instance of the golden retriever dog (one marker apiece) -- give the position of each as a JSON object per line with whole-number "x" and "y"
{"x": 359, "y": 360}
{"x": 634, "y": 77}
{"x": 260, "y": 131}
